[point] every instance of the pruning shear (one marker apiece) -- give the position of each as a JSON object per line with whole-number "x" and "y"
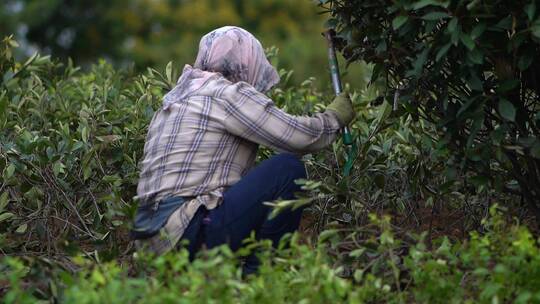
{"x": 348, "y": 142}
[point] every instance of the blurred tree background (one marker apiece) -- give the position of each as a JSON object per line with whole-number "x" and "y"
{"x": 152, "y": 32}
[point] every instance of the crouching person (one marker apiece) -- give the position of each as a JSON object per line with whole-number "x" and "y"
{"x": 197, "y": 180}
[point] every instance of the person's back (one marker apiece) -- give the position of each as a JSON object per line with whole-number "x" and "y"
{"x": 189, "y": 152}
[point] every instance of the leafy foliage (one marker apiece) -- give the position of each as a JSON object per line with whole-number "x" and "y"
{"x": 470, "y": 67}
{"x": 70, "y": 141}
{"x": 69, "y": 145}
{"x": 500, "y": 266}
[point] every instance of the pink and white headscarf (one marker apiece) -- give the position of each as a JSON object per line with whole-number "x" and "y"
{"x": 231, "y": 51}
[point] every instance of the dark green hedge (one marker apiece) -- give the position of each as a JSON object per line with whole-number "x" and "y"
{"x": 471, "y": 67}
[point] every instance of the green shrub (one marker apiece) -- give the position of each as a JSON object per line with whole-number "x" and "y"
{"x": 470, "y": 67}
{"x": 501, "y": 266}
{"x": 70, "y": 142}
{"x": 69, "y": 146}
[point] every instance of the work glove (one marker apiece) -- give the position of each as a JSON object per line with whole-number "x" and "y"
{"x": 342, "y": 106}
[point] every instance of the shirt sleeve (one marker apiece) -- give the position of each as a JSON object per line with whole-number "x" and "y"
{"x": 253, "y": 116}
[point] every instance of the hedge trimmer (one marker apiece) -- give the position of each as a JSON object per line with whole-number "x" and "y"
{"x": 348, "y": 142}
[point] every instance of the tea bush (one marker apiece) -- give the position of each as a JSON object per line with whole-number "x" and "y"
{"x": 70, "y": 141}
{"x": 499, "y": 267}
{"x": 69, "y": 145}
{"x": 470, "y": 67}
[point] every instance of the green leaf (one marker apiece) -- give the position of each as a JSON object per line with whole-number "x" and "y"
{"x": 169, "y": 73}
{"x": 31, "y": 59}
{"x": 467, "y": 41}
{"x": 327, "y": 234}
{"x": 399, "y": 21}
{"x": 58, "y": 168}
{"x": 454, "y": 29}
{"x": 472, "y": 5}
{"x": 507, "y": 110}
{"x": 50, "y": 152}
{"x": 524, "y": 298}
{"x": 98, "y": 278}
{"x": 490, "y": 290}
{"x": 5, "y": 216}
{"x": 423, "y": 3}
{"x": 435, "y": 16}
{"x": 535, "y": 28}
{"x": 478, "y": 30}
{"x": 452, "y": 25}
{"x": 9, "y": 171}
{"x": 475, "y": 83}
{"x": 530, "y": 10}
{"x": 442, "y": 52}
{"x": 504, "y": 24}
{"x": 4, "y": 200}
{"x": 84, "y": 134}
{"x": 21, "y": 229}
{"x": 418, "y": 64}
{"x": 3, "y": 104}
{"x": 87, "y": 172}
{"x": 13, "y": 43}
{"x": 378, "y": 71}
{"x": 385, "y": 110}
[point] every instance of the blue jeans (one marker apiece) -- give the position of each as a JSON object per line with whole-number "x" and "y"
{"x": 242, "y": 210}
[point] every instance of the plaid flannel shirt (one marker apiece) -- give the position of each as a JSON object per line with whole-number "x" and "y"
{"x": 201, "y": 145}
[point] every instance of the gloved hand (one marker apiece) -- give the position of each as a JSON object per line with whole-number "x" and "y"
{"x": 343, "y": 108}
